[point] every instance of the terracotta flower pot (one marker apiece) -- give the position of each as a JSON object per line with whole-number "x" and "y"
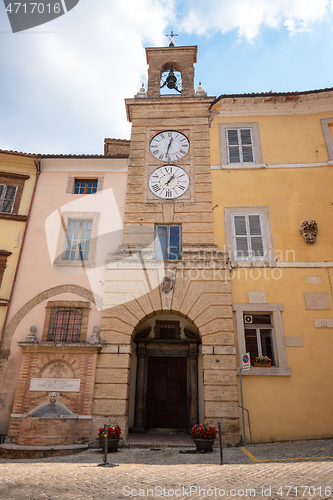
{"x": 262, "y": 365}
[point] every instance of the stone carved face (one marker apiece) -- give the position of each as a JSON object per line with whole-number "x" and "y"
{"x": 53, "y": 397}
{"x": 309, "y": 230}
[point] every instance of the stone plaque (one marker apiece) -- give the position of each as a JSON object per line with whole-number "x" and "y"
{"x": 294, "y": 341}
{"x": 55, "y": 384}
{"x": 257, "y": 297}
{"x": 319, "y": 300}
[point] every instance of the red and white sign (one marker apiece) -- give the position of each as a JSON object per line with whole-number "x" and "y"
{"x": 246, "y": 362}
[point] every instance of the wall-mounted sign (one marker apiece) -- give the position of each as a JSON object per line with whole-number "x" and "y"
{"x": 55, "y": 384}
{"x": 246, "y": 362}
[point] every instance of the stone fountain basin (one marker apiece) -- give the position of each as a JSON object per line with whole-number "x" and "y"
{"x": 48, "y": 431}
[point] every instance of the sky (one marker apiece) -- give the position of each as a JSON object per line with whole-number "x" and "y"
{"x": 63, "y": 83}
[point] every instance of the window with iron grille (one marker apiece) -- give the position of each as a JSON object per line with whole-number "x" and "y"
{"x": 7, "y": 198}
{"x": 85, "y": 186}
{"x": 78, "y": 239}
{"x": 65, "y": 324}
{"x": 168, "y": 242}
{"x": 167, "y": 330}
{"x": 240, "y": 145}
{"x": 248, "y": 235}
{"x": 259, "y": 338}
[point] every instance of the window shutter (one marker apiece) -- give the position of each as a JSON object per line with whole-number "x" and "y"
{"x": 7, "y": 198}
{"x": 233, "y": 146}
{"x": 248, "y": 237}
{"x": 240, "y": 145}
{"x": 240, "y": 225}
{"x": 256, "y": 236}
{"x": 241, "y": 244}
{"x": 247, "y": 148}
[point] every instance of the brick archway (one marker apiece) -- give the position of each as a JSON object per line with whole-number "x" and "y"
{"x": 46, "y": 294}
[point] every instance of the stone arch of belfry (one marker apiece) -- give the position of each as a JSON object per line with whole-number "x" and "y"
{"x": 200, "y": 293}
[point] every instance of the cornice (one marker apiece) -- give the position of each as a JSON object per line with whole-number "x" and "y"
{"x": 14, "y": 175}
{"x": 13, "y": 217}
{"x": 169, "y": 51}
{"x": 165, "y": 103}
{"x": 297, "y": 104}
{"x": 50, "y": 346}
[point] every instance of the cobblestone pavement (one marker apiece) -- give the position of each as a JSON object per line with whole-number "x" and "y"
{"x": 302, "y": 469}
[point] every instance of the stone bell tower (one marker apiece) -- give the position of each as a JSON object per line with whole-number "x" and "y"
{"x": 167, "y": 320}
{"x": 160, "y": 60}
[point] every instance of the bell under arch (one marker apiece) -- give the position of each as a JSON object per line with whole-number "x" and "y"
{"x": 180, "y": 59}
{"x": 166, "y": 361}
{"x": 171, "y": 78}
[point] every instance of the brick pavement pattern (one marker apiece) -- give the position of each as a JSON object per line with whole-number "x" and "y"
{"x": 171, "y": 473}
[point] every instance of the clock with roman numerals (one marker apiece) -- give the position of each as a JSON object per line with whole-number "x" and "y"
{"x": 169, "y": 182}
{"x": 169, "y": 145}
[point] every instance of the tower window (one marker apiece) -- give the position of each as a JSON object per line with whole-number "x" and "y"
{"x": 168, "y": 242}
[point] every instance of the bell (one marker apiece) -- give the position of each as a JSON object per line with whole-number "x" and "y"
{"x": 171, "y": 80}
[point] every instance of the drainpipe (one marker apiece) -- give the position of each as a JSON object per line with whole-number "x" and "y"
{"x": 38, "y": 170}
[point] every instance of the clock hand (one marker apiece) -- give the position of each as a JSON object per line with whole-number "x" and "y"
{"x": 171, "y": 178}
{"x": 167, "y": 151}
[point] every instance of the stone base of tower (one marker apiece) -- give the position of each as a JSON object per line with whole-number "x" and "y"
{"x": 193, "y": 294}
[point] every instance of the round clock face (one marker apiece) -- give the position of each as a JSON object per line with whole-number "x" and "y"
{"x": 169, "y": 145}
{"x": 169, "y": 182}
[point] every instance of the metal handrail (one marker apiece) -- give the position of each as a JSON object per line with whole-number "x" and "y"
{"x": 248, "y": 421}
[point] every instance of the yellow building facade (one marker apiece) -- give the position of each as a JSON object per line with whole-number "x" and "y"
{"x": 17, "y": 181}
{"x": 272, "y": 177}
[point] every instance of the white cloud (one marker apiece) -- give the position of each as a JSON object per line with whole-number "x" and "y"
{"x": 64, "y": 83}
{"x": 74, "y": 76}
{"x": 249, "y": 16}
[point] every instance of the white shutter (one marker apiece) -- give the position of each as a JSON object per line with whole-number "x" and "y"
{"x": 256, "y": 236}
{"x": 248, "y": 237}
{"x": 247, "y": 146}
{"x": 7, "y": 198}
{"x": 240, "y": 237}
{"x": 233, "y": 146}
{"x": 240, "y": 145}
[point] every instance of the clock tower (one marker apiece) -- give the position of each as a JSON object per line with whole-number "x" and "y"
{"x": 169, "y": 356}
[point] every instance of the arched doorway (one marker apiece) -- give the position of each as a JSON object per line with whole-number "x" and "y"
{"x": 166, "y": 374}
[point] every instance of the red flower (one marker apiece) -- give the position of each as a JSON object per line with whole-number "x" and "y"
{"x": 200, "y": 431}
{"x": 113, "y": 432}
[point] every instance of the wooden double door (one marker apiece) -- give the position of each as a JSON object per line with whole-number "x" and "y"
{"x": 167, "y": 393}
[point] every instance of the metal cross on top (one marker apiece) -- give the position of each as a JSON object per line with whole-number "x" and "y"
{"x": 172, "y": 42}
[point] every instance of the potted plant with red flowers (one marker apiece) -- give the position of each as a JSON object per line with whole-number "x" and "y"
{"x": 262, "y": 361}
{"x": 113, "y": 432}
{"x": 204, "y": 437}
